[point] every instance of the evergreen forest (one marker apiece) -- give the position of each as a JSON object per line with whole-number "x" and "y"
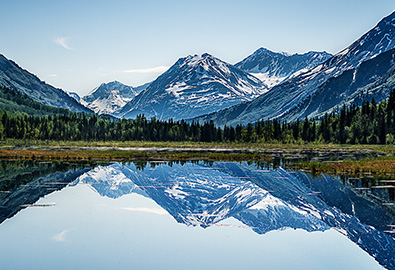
{"x": 23, "y": 118}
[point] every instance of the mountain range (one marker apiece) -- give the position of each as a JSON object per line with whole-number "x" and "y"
{"x": 201, "y": 84}
{"x": 283, "y": 98}
{"x": 264, "y": 85}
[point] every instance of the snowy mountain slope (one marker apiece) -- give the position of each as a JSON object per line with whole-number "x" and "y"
{"x": 284, "y": 97}
{"x": 194, "y": 85}
{"x": 13, "y": 76}
{"x": 110, "y": 97}
{"x": 374, "y": 78}
{"x": 272, "y": 68}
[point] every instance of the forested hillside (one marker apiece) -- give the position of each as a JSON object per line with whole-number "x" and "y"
{"x": 14, "y": 102}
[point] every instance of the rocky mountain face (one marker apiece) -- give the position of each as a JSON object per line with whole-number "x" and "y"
{"x": 108, "y": 98}
{"x": 374, "y": 78}
{"x": 211, "y": 84}
{"x": 281, "y": 99}
{"x": 273, "y": 68}
{"x": 193, "y": 86}
{"x": 13, "y": 76}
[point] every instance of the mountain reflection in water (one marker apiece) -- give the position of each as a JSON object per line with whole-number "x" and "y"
{"x": 201, "y": 194}
{"x": 262, "y": 199}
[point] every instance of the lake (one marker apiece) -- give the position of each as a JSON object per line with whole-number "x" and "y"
{"x": 191, "y": 215}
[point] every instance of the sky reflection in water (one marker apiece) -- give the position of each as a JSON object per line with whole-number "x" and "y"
{"x": 121, "y": 217}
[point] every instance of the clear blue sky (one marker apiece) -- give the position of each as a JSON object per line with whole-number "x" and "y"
{"x": 76, "y": 45}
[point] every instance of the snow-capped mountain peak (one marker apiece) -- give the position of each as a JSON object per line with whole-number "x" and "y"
{"x": 207, "y": 62}
{"x": 106, "y": 88}
{"x": 110, "y": 97}
{"x": 194, "y": 85}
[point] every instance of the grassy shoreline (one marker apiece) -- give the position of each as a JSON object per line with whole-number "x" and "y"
{"x": 121, "y": 155}
{"x": 384, "y": 165}
{"x": 74, "y": 151}
{"x": 203, "y": 145}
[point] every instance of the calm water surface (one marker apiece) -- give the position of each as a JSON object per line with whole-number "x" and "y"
{"x": 221, "y": 215}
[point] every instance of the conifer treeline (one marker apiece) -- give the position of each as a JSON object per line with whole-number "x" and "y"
{"x": 372, "y": 124}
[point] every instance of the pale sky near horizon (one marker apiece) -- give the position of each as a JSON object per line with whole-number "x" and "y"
{"x": 77, "y": 45}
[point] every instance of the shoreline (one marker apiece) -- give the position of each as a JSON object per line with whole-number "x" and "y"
{"x": 333, "y": 159}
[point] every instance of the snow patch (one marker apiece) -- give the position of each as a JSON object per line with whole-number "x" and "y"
{"x": 269, "y": 80}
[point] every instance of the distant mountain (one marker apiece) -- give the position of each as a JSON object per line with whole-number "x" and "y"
{"x": 13, "y": 76}
{"x": 282, "y": 98}
{"x": 272, "y": 68}
{"x": 141, "y": 88}
{"x": 110, "y": 97}
{"x": 193, "y": 86}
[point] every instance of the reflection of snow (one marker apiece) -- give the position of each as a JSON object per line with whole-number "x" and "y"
{"x": 157, "y": 211}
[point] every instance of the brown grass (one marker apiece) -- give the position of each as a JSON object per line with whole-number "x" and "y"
{"x": 122, "y": 155}
{"x": 379, "y": 166}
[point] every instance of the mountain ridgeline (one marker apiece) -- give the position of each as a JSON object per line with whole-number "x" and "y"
{"x": 13, "y": 76}
{"x": 200, "y": 84}
{"x": 373, "y": 79}
{"x": 283, "y": 98}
